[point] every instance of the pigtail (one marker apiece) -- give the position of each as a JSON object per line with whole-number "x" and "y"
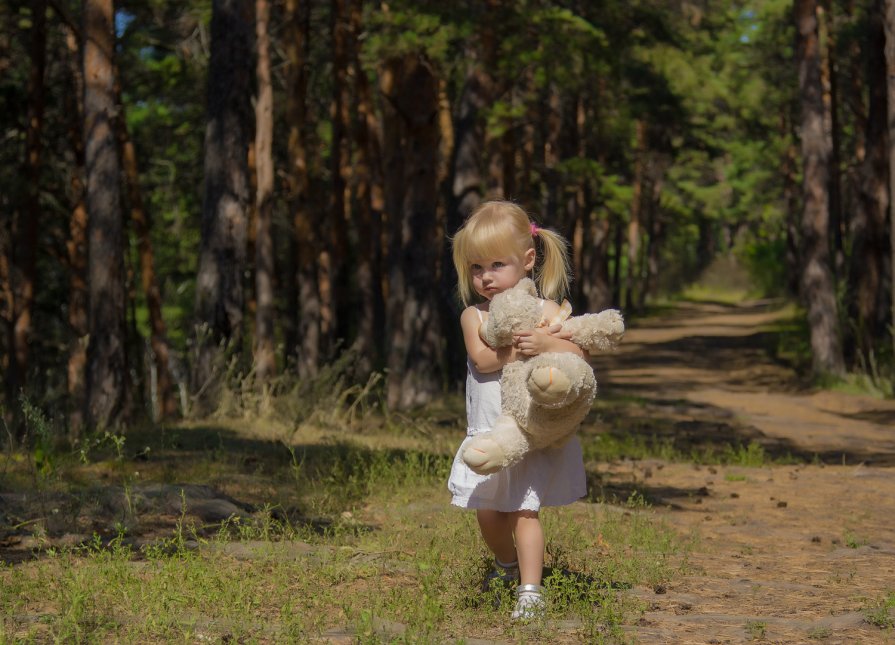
{"x": 552, "y": 276}
{"x": 464, "y": 277}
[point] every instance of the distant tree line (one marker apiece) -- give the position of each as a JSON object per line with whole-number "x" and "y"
{"x": 194, "y": 189}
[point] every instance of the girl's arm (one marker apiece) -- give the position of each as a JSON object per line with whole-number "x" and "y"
{"x": 539, "y": 341}
{"x": 484, "y": 358}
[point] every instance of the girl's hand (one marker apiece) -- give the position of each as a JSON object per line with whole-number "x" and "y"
{"x": 557, "y": 331}
{"x": 534, "y": 341}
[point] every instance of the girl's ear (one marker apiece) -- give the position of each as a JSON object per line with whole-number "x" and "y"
{"x": 529, "y": 259}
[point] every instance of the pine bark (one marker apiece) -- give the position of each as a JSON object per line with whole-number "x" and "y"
{"x": 791, "y": 199}
{"x": 831, "y": 103}
{"x": 466, "y": 185}
{"x": 220, "y": 297}
{"x": 656, "y": 231}
{"x": 889, "y": 25}
{"x": 107, "y": 395}
{"x": 868, "y": 223}
{"x": 305, "y": 297}
{"x": 265, "y": 360}
{"x": 816, "y": 284}
{"x": 596, "y": 289}
{"x": 76, "y": 246}
{"x": 632, "y": 280}
{"x": 367, "y": 178}
{"x": 23, "y": 276}
{"x": 415, "y": 361}
{"x": 552, "y": 123}
{"x": 334, "y": 254}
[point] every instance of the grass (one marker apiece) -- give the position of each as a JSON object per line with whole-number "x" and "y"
{"x": 352, "y": 535}
{"x": 756, "y": 629}
{"x": 879, "y": 612}
{"x": 622, "y": 443}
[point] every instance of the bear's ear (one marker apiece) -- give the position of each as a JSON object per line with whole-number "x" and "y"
{"x": 527, "y": 285}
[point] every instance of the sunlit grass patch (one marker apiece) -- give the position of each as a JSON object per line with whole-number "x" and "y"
{"x": 716, "y": 294}
{"x": 344, "y": 531}
{"x": 415, "y": 574}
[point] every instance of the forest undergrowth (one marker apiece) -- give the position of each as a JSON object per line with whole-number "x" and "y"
{"x": 343, "y": 530}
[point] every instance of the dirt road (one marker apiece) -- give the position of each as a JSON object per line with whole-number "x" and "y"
{"x": 785, "y": 553}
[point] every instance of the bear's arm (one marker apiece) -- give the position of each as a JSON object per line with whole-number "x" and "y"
{"x": 484, "y": 358}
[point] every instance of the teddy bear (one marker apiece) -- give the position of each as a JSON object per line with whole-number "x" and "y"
{"x": 544, "y": 398}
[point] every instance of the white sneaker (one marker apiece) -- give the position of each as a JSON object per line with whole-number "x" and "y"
{"x": 530, "y": 603}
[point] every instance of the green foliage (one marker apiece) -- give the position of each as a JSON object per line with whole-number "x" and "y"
{"x": 42, "y": 437}
{"x": 765, "y": 261}
{"x": 407, "y": 28}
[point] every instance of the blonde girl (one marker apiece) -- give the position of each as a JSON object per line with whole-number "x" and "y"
{"x": 496, "y": 247}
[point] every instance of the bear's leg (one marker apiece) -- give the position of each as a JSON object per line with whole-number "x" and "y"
{"x": 548, "y": 384}
{"x": 491, "y": 451}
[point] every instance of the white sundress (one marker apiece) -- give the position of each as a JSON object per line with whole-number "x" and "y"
{"x": 551, "y": 477}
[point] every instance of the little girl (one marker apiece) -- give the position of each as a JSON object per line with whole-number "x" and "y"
{"x": 496, "y": 247}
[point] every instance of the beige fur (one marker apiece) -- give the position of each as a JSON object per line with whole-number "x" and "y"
{"x": 545, "y": 397}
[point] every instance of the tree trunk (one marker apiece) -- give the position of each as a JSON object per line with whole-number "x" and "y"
{"x": 265, "y": 360}
{"x": 791, "y": 191}
{"x": 618, "y": 249}
{"x": 76, "y": 246}
{"x": 106, "y": 353}
{"x": 596, "y": 289}
{"x": 596, "y": 292}
{"x": 7, "y": 302}
{"x": 831, "y": 102}
{"x": 656, "y": 231}
{"x": 165, "y": 405}
{"x": 335, "y": 304}
{"x": 368, "y": 189}
{"x": 889, "y": 23}
{"x": 410, "y": 90}
{"x": 220, "y": 296}
{"x": 24, "y": 252}
{"x": 632, "y": 281}
{"x": 469, "y": 132}
{"x": 868, "y": 222}
{"x": 817, "y": 289}
{"x": 573, "y": 145}
{"x": 466, "y": 192}
{"x": 552, "y": 123}
{"x": 306, "y": 298}
{"x": 526, "y": 148}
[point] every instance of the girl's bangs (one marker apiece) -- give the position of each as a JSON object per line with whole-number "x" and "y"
{"x": 491, "y": 240}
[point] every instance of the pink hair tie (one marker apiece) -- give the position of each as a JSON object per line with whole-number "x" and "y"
{"x": 534, "y": 229}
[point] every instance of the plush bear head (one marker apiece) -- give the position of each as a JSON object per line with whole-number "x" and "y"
{"x": 515, "y": 309}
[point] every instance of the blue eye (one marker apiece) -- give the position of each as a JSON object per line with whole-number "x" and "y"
{"x": 498, "y": 265}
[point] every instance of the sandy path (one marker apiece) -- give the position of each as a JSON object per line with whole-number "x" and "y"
{"x": 785, "y": 554}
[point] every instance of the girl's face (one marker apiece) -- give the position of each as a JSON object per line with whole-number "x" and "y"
{"x": 491, "y": 276}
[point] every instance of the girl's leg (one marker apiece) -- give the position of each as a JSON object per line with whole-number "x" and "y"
{"x": 497, "y": 531}
{"x": 529, "y": 546}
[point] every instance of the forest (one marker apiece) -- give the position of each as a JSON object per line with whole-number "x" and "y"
{"x": 211, "y": 196}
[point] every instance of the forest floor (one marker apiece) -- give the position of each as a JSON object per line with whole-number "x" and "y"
{"x": 728, "y": 502}
{"x": 788, "y": 553}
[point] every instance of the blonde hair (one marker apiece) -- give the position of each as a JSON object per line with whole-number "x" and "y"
{"x": 499, "y": 228}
